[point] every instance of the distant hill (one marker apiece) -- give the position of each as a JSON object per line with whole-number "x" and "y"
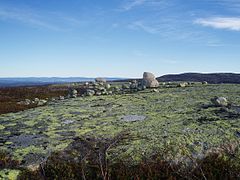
{"x": 32, "y": 81}
{"x": 214, "y": 78}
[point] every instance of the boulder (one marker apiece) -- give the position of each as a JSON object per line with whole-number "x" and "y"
{"x": 149, "y": 80}
{"x": 205, "y": 82}
{"x": 220, "y": 101}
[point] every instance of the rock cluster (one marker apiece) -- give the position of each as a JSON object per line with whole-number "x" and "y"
{"x": 36, "y": 101}
{"x": 149, "y": 80}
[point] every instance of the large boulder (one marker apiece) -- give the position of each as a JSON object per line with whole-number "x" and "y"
{"x": 149, "y": 80}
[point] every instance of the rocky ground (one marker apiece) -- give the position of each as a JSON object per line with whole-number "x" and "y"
{"x": 183, "y": 117}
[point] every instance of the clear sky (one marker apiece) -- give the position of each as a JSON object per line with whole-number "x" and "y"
{"x": 118, "y": 38}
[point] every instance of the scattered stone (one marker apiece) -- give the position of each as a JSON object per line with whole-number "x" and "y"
{"x": 100, "y": 80}
{"x": 98, "y": 93}
{"x": 220, "y": 101}
{"x": 26, "y": 102}
{"x": 72, "y": 93}
{"x": 61, "y": 98}
{"x": 90, "y": 92}
{"x": 36, "y": 100}
{"x": 155, "y": 90}
{"x": 183, "y": 84}
{"x": 132, "y": 118}
{"x": 42, "y": 102}
{"x": 125, "y": 86}
{"x": 107, "y": 86}
{"x": 149, "y": 80}
{"x": 68, "y": 122}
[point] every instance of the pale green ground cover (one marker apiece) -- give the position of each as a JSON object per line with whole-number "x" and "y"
{"x": 174, "y": 116}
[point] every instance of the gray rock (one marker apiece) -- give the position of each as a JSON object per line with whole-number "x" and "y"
{"x": 100, "y": 80}
{"x": 183, "y": 84}
{"x": 155, "y": 90}
{"x": 205, "y": 82}
{"x": 149, "y": 80}
{"x": 41, "y": 102}
{"x": 107, "y": 86}
{"x": 73, "y": 93}
{"x": 36, "y": 100}
{"x": 220, "y": 101}
{"x": 61, "y": 97}
{"x": 90, "y": 92}
{"x": 133, "y": 118}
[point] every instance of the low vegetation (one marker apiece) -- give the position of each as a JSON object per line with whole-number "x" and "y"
{"x": 169, "y": 132}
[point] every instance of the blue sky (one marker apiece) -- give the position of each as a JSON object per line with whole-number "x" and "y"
{"x": 120, "y": 38}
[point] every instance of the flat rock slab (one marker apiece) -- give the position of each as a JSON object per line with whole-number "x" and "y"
{"x": 133, "y": 118}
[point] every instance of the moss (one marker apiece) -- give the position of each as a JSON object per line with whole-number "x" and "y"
{"x": 2, "y": 127}
{"x": 174, "y": 116}
{"x": 9, "y": 174}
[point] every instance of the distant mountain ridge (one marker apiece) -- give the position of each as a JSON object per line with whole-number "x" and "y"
{"x": 214, "y": 78}
{"x": 32, "y": 81}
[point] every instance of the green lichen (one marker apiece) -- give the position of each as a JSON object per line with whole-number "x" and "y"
{"x": 174, "y": 117}
{"x": 9, "y": 174}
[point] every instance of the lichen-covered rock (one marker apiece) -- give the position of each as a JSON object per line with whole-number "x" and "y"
{"x": 149, "y": 80}
{"x": 220, "y": 101}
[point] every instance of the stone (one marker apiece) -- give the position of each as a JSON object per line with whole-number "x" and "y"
{"x": 100, "y": 80}
{"x": 149, "y": 80}
{"x": 98, "y": 93}
{"x": 125, "y": 86}
{"x": 183, "y": 84}
{"x": 41, "y": 102}
{"x": 132, "y": 118}
{"x": 72, "y": 93}
{"x": 133, "y": 86}
{"x": 61, "y": 98}
{"x": 155, "y": 90}
{"x": 90, "y": 92}
{"x": 205, "y": 82}
{"x": 107, "y": 86}
{"x": 220, "y": 101}
{"x": 36, "y": 100}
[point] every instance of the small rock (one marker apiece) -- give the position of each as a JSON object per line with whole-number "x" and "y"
{"x": 183, "y": 84}
{"x": 41, "y": 102}
{"x": 61, "y": 98}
